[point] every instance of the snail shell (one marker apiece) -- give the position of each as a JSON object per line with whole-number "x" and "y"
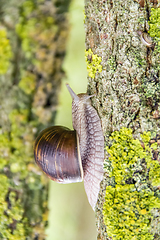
{"x": 56, "y": 153}
{"x": 74, "y": 155}
{"x": 146, "y": 39}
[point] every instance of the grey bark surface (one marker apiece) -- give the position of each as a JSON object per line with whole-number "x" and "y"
{"x": 128, "y": 88}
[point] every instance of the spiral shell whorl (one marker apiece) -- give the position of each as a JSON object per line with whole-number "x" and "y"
{"x": 56, "y": 153}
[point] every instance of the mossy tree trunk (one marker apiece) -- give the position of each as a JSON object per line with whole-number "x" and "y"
{"x": 124, "y": 73}
{"x": 33, "y": 38}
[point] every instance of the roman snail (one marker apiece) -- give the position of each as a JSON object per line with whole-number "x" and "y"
{"x": 74, "y": 155}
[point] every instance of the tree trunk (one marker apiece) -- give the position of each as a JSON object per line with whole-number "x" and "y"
{"x": 123, "y": 69}
{"x": 33, "y": 38}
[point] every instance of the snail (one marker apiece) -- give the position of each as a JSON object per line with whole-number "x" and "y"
{"x": 77, "y": 155}
{"x": 146, "y": 39}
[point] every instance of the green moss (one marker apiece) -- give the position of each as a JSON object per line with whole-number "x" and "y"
{"x": 151, "y": 88}
{"x": 93, "y": 63}
{"x": 16, "y": 150}
{"x": 5, "y": 51}
{"x": 28, "y": 82}
{"x": 154, "y": 25}
{"x": 36, "y": 30}
{"x": 135, "y": 176}
{"x": 24, "y": 189}
{"x": 112, "y": 63}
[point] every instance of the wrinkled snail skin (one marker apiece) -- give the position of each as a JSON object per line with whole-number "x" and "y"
{"x": 68, "y": 156}
{"x": 87, "y": 124}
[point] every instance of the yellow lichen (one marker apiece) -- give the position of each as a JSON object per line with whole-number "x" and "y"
{"x": 93, "y": 63}
{"x": 5, "y": 51}
{"x": 130, "y": 199}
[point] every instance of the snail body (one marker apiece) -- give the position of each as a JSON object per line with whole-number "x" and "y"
{"x": 74, "y": 155}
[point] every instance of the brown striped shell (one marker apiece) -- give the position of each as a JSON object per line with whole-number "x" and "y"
{"x": 62, "y": 153}
{"x": 56, "y": 153}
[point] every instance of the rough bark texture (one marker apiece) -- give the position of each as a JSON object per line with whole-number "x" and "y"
{"x": 128, "y": 87}
{"x": 33, "y": 38}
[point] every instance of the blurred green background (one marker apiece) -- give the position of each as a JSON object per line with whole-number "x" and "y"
{"x": 70, "y": 215}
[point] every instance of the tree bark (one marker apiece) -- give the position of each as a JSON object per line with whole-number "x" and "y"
{"x": 124, "y": 73}
{"x": 33, "y": 38}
